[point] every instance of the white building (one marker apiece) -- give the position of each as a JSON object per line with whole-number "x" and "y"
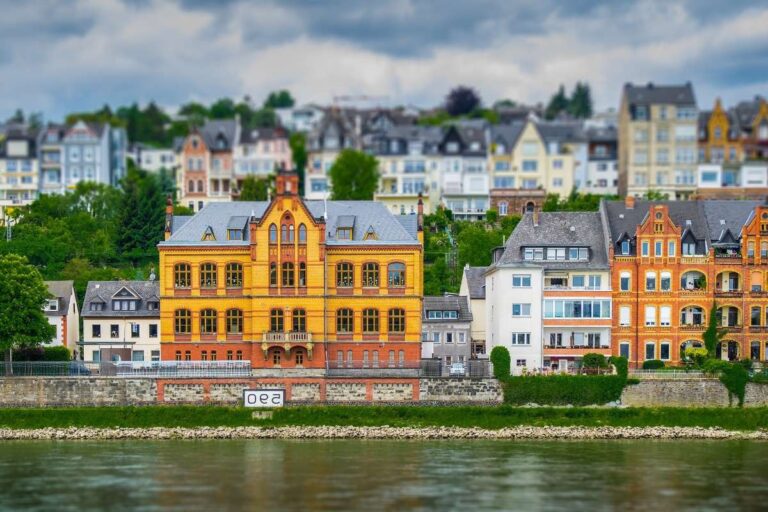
{"x": 300, "y": 119}
{"x": 62, "y": 312}
{"x": 473, "y": 287}
{"x": 748, "y": 175}
{"x": 154, "y": 159}
{"x": 19, "y": 173}
{"x": 602, "y": 162}
{"x": 121, "y": 321}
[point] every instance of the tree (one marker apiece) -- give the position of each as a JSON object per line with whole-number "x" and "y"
{"x": 223, "y": 108}
{"x": 714, "y": 333}
{"x": 298, "y": 143}
{"x": 254, "y": 189}
{"x": 505, "y": 103}
{"x": 580, "y": 104}
{"x": 279, "y": 99}
{"x": 558, "y": 103}
{"x": 655, "y": 195}
{"x": 17, "y": 117}
{"x": 461, "y": 101}
{"x": 501, "y": 361}
{"x": 22, "y": 297}
{"x": 354, "y": 176}
{"x": 141, "y": 216}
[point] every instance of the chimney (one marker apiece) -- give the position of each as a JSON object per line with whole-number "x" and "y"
{"x": 535, "y": 216}
{"x": 168, "y": 216}
{"x": 420, "y": 210}
{"x": 629, "y": 202}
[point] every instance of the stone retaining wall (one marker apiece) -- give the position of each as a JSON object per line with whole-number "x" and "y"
{"x": 460, "y": 390}
{"x": 689, "y": 393}
{"x": 79, "y": 391}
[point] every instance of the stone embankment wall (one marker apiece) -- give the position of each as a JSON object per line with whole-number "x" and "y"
{"x": 76, "y": 391}
{"x": 689, "y": 393}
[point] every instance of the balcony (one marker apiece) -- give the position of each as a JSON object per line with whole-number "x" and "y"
{"x": 692, "y": 327}
{"x": 727, "y": 255}
{"x": 286, "y": 337}
{"x": 719, "y": 292}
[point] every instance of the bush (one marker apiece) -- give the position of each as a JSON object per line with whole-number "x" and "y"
{"x": 42, "y": 354}
{"x": 593, "y": 361}
{"x": 653, "y": 364}
{"x": 564, "y": 389}
{"x": 501, "y": 362}
{"x": 735, "y": 378}
{"x": 56, "y": 354}
{"x": 491, "y": 216}
{"x": 714, "y": 366}
{"x": 621, "y": 364}
{"x": 697, "y": 355}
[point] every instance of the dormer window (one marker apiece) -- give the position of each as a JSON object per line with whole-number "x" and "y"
{"x": 97, "y": 306}
{"x": 452, "y": 147}
{"x": 153, "y": 305}
{"x": 195, "y": 143}
{"x": 344, "y": 234}
{"x": 208, "y": 235}
{"x": 53, "y": 305}
{"x": 234, "y": 234}
{"x": 370, "y": 234}
{"x": 124, "y": 305}
{"x": 625, "y": 247}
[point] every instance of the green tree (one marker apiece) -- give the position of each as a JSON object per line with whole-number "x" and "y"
{"x": 141, "y": 216}
{"x": 223, "y": 108}
{"x": 461, "y": 101}
{"x": 558, "y": 103}
{"x": 714, "y": 333}
{"x": 254, "y": 189}
{"x": 298, "y": 143}
{"x": 580, "y": 104}
{"x": 354, "y": 176}
{"x": 22, "y": 297}
{"x": 501, "y": 361}
{"x": 655, "y": 195}
{"x": 279, "y": 99}
{"x": 437, "y": 277}
{"x": 476, "y": 243}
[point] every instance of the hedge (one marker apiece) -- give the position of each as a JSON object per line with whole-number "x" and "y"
{"x": 501, "y": 362}
{"x": 564, "y": 389}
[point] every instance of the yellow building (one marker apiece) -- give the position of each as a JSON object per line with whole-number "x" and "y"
{"x": 719, "y": 139}
{"x": 293, "y": 283}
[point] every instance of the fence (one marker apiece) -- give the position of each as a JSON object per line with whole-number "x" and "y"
{"x": 667, "y": 374}
{"x": 165, "y": 369}
{"x": 473, "y": 368}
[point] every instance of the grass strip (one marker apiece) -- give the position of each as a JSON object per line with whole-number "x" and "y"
{"x": 395, "y": 416}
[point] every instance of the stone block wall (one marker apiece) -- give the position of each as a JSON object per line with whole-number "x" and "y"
{"x": 689, "y": 393}
{"x": 80, "y": 391}
{"x": 460, "y": 390}
{"x": 392, "y": 392}
{"x": 345, "y": 392}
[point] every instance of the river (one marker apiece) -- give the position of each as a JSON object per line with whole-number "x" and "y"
{"x": 337, "y": 475}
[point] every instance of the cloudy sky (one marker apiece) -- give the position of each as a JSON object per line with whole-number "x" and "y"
{"x": 58, "y": 56}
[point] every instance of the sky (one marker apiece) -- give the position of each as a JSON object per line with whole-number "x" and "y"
{"x": 59, "y": 56}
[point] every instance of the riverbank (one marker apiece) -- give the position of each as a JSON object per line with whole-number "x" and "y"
{"x": 466, "y": 417}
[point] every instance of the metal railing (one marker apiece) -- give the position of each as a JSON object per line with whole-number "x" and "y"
{"x": 164, "y": 369}
{"x": 472, "y": 368}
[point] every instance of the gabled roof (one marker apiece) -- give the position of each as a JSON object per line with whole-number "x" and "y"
{"x": 507, "y": 134}
{"x": 103, "y": 291}
{"x": 259, "y": 134}
{"x": 561, "y": 131}
{"x": 446, "y": 303}
{"x": 734, "y": 215}
{"x": 476, "y": 281}
{"x": 625, "y": 220}
{"x": 652, "y": 94}
{"x": 63, "y": 291}
{"x": 223, "y": 130}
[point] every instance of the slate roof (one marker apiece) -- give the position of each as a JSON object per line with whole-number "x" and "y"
{"x": 252, "y": 136}
{"x": 410, "y": 223}
{"x": 476, "y": 281}
{"x": 379, "y": 142}
{"x": 652, "y": 94}
{"x": 63, "y": 291}
{"x": 389, "y": 228}
{"x": 446, "y": 303}
{"x": 558, "y": 229}
{"x": 734, "y": 215}
{"x": 507, "y": 134}
{"x": 561, "y": 131}
{"x": 179, "y": 221}
{"x": 224, "y": 130}
{"x": 103, "y": 291}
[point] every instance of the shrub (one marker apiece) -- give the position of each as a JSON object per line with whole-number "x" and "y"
{"x": 56, "y": 354}
{"x": 714, "y": 366}
{"x": 735, "y": 378}
{"x": 653, "y": 364}
{"x": 594, "y": 361}
{"x": 491, "y": 216}
{"x": 697, "y": 355}
{"x": 621, "y": 364}
{"x": 563, "y": 389}
{"x": 501, "y": 362}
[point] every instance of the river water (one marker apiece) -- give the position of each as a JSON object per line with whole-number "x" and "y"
{"x": 383, "y": 475}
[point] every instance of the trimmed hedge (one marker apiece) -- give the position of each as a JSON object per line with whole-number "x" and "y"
{"x": 564, "y": 389}
{"x": 502, "y": 363}
{"x": 653, "y": 364}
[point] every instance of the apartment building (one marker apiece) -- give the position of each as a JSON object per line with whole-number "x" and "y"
{"x": 602, "y": 161}
{"x": 732, "y": 135}
{"x": 462, "y": 175}
{"x": 154, "y": 159}
{"x": 334, "y": 133}
{"x": 473, "y": 288}
{"x": 658, "y": 127}
{"x": 19, "y": 166}
{"x": 259, "y": 153}
{"x": 121, "y": 321}
{"x": 745, "y": 180}
{"x": 548, "y": 293}
{"x": 62, "y": 312}
{"x": 93, "y": 152}
{"x": 51, "y": 158}
{"x": 446, "y": 333}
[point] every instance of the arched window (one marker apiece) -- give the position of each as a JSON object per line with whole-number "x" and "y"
{"x": 665, "y": 283}
{"x": 208, "y": 275}
{"x": 396, "y": 275}
{"x": 208, "y": 321}
{"x": 396, "y": 320}
{"x": 182, "y": 275}
{"x": 291, "y": 232}
{"x": 371, "y": 321}
{"x": 276, "y": 320}
{"x": 234, "y": 321}
{"x": 199, "y": 185}
{"x": 302, "y": 234}
{"x": 182, "y": 321}
{"x": 302, "y": 274}
{"x": 234, "y": 273}
{"x": 371, "y": 275}
{"x": 287, "y": 274}
{"x": 344, "y": 275}
{"x": 272, "y": 234}
{"x": 284, "y": 233}
{"x": 345, "y": 320}
{"x": 191, "y": 186}
{"x": 273, "y": 274}
{"x": 650, "y": 281}
{"x": 529, "y": 206}
{"x": 299, "y": 320}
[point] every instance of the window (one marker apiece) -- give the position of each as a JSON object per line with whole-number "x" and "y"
{"x": 302, "y": 274}
{"x": 183, "y": 321}
{"x": 344, "y": 275}
{"x": 344, "y": 320}
{"x": 234, "y": 278}
{"x": 595, "y": 282}
{"x": 650, "y": 281}
{"x": 624, "y": 281}
{"x": 624, "y": 316}
{"x": 396, "y": 275}
{"x": 530, "y": 165}
{"x": 521, "y": 280}
{"x": 658, "y": 248}
{"x": 625, "y": 247}
{"x": 624, "y": 350}
{"x": 135, "y": 330}
{"x": 187, "y": 355}
{"x": 234, "y": 321}
{"x": 754, "y": 316}
{"x": 577, "y": 308}
{"x": 665, "y": 316}
{"x": 208, "y": 275}
{"x": 344, "y": 233}
{"x": 449, "y": 337}
{"x": 302, "y": 234}
{"x": 272, "y": 234}
{"x": 96, "y": 331}
{"x": 299, "y": 320}
{"x": 521, "y": 338}
{"x": 137, "y": 355}
{"x": 521, "y": 310}
{"x": 396, "y": 319}
{"x": 288, "y": 274}
{"x": 666, "y": 281}
{"x": 370, "y": 321}
{"x": 234, "y": 234}
{"x": 650, "y": 316}
{"x": 153, "y": 330}
{"x": 208, "y": 321}
{"x": 650, "y": 351}
{"x": 370, "y": 275}
{"x": 671, "y": 249}
{"x": 155, "y": 355}
{"x": 182, "y": 275}
{"x": 646, "y": 248}
{"x": 276, "y": 320}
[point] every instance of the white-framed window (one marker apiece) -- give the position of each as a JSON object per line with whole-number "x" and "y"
{"x": 625, "y": 281}
{"x": 521, "y": 280}
{"x": 624, "y": 350}
{"x": 671, "y": 249}
{"x": 650, "y": 316}
{"x": 520, "y": 363}
{"x": 665, "y": 316}
{"x": 646, "y": 247}
{"x": 665, "y": 283}
{"x": 521, "y": 338}
{"x": 521, "y": 309}
{"x": 650, "y": 281}
{"x": 449, "y": 337}
{"x": 436, "y": 338}
{"x": 659, "y": 248}
{"x": 461, "y": 337}
{"x": 595, "y": 282}
{"x": 624, "y": 316}
{"x": 650, "y": 350}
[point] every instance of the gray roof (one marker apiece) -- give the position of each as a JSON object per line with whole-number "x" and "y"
{"x": 63, "y": 291}
{"x": 507, "y": 134}
{"x": 363, "y": 214}
{"x": 723, "y": 214}
{"x": 561, "y": 131}
{"x": 476, "y": 281}
{"x": 446, "y": 303}
{"x": 252, "y": 136}
{"x": 104, "y": 291}
{"x": 224, "y": 130}
{"x": 652, "y": 94}
{"x": 410, "y": 223}
{"x": 179, "y": 221}
{"x": 602, "y": 134}
{"x": 558, "y": 229}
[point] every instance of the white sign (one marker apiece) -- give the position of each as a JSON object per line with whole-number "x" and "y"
{"x": 263, "y": 397}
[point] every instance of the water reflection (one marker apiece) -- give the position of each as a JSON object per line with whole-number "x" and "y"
{"x": 383, "y": 475}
